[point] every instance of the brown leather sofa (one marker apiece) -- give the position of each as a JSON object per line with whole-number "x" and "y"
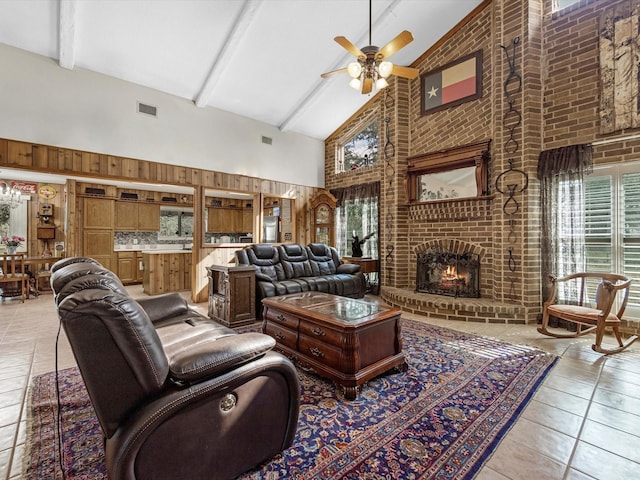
{"x": 294, "y": 268}
{"x": 176, "y": 394}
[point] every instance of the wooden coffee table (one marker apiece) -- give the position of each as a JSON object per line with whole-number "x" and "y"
{"x": 346, "y": 340}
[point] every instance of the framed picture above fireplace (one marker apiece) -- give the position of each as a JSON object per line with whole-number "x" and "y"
{"x": 454, "y": 174}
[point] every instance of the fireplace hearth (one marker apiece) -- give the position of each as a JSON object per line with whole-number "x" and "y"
{"x": 448, "y": 273}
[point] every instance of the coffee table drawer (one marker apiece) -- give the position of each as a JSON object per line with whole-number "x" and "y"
{"x": 286, "y": 319}
{"x": 321, "y": 333}
{"x": 283, "y": 336}
{"x": 324, "y": 353}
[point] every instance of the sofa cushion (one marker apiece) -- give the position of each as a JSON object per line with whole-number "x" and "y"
{"x": 295, "y": 261}
{"x": 266, "y": 260}
{"x": 324, "y": 260}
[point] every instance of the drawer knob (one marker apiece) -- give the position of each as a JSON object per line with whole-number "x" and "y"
{"x": 318, "y": 331}
{"x": 280, "y": 335}
{"x": 281, "y": 318}
{"x": 316, "y": 352}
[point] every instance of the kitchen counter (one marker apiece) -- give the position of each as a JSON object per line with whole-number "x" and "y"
{"x": 161, "y": 252}
{"x": 173, "y": 249}
{"x": 166, "y": 271}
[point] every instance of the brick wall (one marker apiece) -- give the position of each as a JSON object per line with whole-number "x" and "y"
{"x": 557, "y": 60}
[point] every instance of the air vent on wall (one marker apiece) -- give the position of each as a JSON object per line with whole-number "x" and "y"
{"x": 267, "y": 140}
{"x": 169, "y": 199}
{"x": 147, "y": 109}
{"x": 129, "y": 196}
{"x": 94, "y": 191}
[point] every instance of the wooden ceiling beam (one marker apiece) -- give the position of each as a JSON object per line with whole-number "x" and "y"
{"x": 67, "y": 33}
{"x": 240, "y": 26}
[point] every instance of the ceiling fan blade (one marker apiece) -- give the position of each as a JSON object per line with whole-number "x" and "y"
{"x": 334, "y": 72}
{"x": 405, "y": 72}
{"x": 396, "y": 44}
{"x": 367, "y": 85}
{"x": 349, "y": 47}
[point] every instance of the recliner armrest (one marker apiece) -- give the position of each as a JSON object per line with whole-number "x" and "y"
{"x": 206, "y": 359}
{"x": 164, "y": 306}
{"x": 350, "y": 268}
{"x": 261, "y": 277}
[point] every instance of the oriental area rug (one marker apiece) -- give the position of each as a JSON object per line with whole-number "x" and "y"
{"x": 440, "y": 419}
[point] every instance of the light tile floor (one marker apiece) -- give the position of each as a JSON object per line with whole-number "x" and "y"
{"x": 583, "y": 423}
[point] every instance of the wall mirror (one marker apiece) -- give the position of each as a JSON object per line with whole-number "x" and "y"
{"x": 458, "y": 183}
{"x": 454, "y": 174}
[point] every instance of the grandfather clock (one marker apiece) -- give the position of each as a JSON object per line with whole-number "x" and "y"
{"x": 323, "y": 207}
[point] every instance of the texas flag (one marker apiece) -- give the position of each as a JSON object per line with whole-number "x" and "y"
{"x": 451, "y": 84}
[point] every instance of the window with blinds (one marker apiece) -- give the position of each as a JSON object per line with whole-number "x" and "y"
{"x": 612, "y": 225}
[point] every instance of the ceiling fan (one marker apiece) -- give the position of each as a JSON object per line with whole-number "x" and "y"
{"x": 371, "y": 68}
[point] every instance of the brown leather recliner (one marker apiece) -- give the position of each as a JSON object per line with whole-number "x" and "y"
{"x": 176, "y": 394}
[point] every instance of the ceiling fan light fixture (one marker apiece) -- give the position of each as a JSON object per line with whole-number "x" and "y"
{"x": 385, "y": 69}
{"x": 381, "y": 83}
{"x": 355, "y": 83}
{"x": 354, "y": 69}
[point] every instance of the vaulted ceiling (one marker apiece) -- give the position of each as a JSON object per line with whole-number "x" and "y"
{"x": 258, "y": 58}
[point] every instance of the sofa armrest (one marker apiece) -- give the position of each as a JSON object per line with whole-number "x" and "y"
{"x": 350, "y": 268}
{"x": 261, "y": 277}
{"x": 164, "y": 306}
{"x": 267, "y": 392}
{"x": 215, "y": 356}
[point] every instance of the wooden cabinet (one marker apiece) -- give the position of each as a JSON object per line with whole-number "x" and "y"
{"x": 127, "y": 266}
{"x": 97, "y": 234}
{"x": 247, "y": 220}
{"x": 137, "y": 216}
{"x": 232, "y": 295}
{"x": 139, "y": 267}
{"x": 166, "y": 272}
{"x": 98, "y": 244}
{"x": 148, "y": 217}
{"x": 126, "y": 216}
{"x": 230, "y": 220}
{"x": 98, "y": 213}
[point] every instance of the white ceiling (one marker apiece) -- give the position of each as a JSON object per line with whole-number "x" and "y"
{"x": 258, "y": 58}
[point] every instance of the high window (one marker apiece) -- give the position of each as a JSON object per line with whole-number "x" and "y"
{"x": 560, "y": 4}
{"x": 359, "y": 150}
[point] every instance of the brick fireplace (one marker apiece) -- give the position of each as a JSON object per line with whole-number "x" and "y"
{"x": 506, "y": 246}
{"x": 448, "y": 267}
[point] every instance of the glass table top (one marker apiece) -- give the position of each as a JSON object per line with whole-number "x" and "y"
{"x": 341, "y": 308}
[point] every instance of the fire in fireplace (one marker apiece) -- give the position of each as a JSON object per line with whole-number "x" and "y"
{"x": 446, "y": 273}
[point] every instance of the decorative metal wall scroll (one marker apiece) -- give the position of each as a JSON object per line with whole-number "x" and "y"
{"x": 389, "y": 172}
{"x": 515, "y": 180}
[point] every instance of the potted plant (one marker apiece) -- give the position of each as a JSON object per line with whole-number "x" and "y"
{"x": 12, "y": 242}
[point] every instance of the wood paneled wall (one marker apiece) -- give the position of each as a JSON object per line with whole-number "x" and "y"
{"x": 90, "y": 165}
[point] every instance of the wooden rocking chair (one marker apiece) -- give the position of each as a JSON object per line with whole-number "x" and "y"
{"x": 598, "y": 318}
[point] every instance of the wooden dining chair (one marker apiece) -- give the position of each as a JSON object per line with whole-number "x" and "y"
{"x": 610, "y": 292}
{"x": 12, "y": 272}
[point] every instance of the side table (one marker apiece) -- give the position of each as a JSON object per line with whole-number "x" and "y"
{"x": 370, "y": 267}
{"x": 232, "y": 293}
